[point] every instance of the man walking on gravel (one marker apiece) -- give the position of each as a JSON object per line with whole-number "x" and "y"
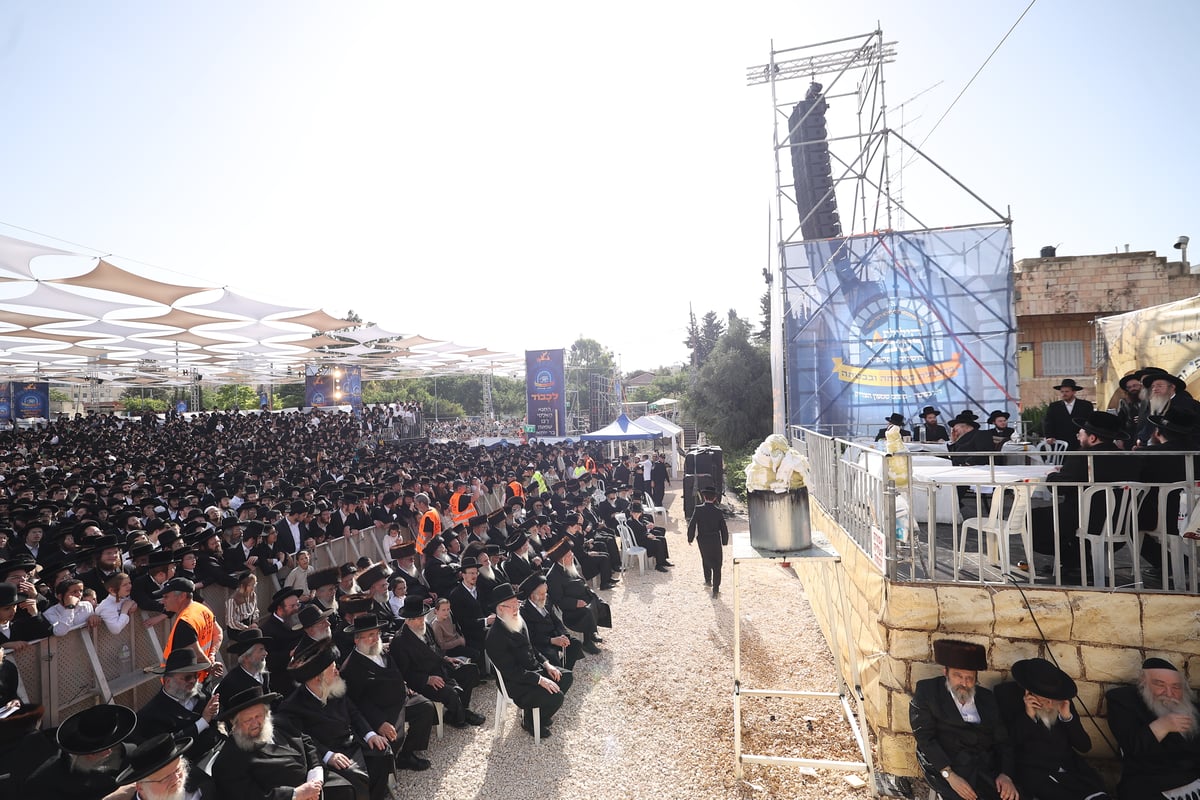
{"x": 707, "y": 526}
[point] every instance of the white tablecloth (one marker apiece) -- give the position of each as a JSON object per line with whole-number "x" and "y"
{"x": 942, "y": 477}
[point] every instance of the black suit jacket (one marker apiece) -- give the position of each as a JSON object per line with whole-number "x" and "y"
{"x": 418, "y": 658}
{"x": 1057, "y": 423}
{"x": 541, "y": 628}
{"x": 1110, "y": 465}
{"x": 563, "y": 590}
{"x": 469, "y": 613}
{"x": 268, "y": 773}
{"x": 279, "y": 650}
{"x": 977, "y": 752}
{"x": 237, "y": 680}
{"x": 977, "y": 441}
{"x": 1040, "y": 752}
{"x": 335, "y": 727}
{"x": 1147, "y": 765}
{"x": 164, "y": 714}
{"x": 514, "y": 656}
{"x": 708, "y": 521}
{"x": 379, "y": 692}
{"x": 517, "y": 570}
{"x": 142, "y": 593}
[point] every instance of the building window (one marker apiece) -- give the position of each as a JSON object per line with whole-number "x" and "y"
{"x": 1062, "y": 358}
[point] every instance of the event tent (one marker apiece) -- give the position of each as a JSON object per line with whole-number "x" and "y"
{"x": 619, "y": 430}
{"x": 666, "y": 430}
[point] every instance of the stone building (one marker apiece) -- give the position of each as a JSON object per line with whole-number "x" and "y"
{"x": 1057, "y": 300}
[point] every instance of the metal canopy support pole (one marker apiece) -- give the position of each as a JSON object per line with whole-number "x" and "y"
{"x": 822, "y": 556}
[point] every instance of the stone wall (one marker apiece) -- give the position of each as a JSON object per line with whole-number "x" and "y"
{"x": 1099, "y": 638}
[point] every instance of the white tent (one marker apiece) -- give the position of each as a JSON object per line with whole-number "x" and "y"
{"x": 666, "y": 430}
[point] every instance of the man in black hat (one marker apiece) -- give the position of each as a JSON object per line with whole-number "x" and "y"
{"x": 282, "y": 634}
{"x": 468, "y": 610}
{"x": 933, "y": 431}
{"x": 1095, "y": 438}
{"x": 1156, "y": 725}
{"x": 20, "y": 622}
{"x": 146, "y": 587}
{"x": 1059, "y": 422}
{"x": 546, "y": 632}
{"x": 530, "y": 679}
{"x": 962, "y": 743}
{"x": 1174, "y": 431}
{"x": 570, "y": 594}
{"x": 1047, "y": 734}
{"x": 1000, "y": 432}
{"x": 1166, "y": 392}
{"x": 521, "y": 562}
{"x": 378, "y": 687}
{"x": 966, "y": 437}
{"x": 263, "y": 761}
{"x": 250, "y": 648}
{"x": 185, "y": 706}
{"x": 319, "y": 707}
{"x": 1131, "y": 407}
{"x": 323, "y": 585}
{"x": 896, "y": 420}
{"x": 707, "y": 526}
{"x": 158, "y": 771}
{"x": 443, "y": 679}
{"x": 374, "y": 582}
{"x": 92, "y": 752}
{"x": 210, "y": 567}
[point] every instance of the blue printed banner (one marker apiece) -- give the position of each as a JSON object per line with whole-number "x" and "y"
{"x": 328, "y": 385}
{"x": 545, "y": 389}
{"x": 892, "y": 322}
{"x": 5, "y": 401}
{"x": 30, "y": 400}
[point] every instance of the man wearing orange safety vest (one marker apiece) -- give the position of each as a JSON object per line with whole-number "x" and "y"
{"x": 194, "y": 625}
{"x": 429, "y": 522}
{"x": 515, "y": 489}
{"x": 462, "y": 503}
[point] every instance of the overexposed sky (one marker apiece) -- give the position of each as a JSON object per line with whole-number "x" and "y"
{"x": 515, "y": 175}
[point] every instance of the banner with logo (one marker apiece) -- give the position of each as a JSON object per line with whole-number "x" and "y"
{"x": 327, "y": 385}
{"x": 30, "y": 400}
{"x": 897, "y": 321}
{"x": 5, "y": 401}
{"x": 1166, "y": 336}
{"x": 545, "y": 390}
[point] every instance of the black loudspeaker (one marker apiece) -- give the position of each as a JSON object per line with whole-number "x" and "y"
{"x": 812, "y": 170}
{"x": 702, "y": 466}
{"x": 691, "y": 492}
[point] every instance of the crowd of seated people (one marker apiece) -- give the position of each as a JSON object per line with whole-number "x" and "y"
{"x": 332, "y": 686}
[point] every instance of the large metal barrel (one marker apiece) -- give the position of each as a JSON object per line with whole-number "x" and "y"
{"x": 780, "y": 520}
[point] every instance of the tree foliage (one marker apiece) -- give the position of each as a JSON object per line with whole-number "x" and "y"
{"x": 587, "y": 358}
{"x": 763, "y": 334}
{"x": 666, "y": 383}
{"x": 731, "y": 398}
{"x": 235, "y": 395}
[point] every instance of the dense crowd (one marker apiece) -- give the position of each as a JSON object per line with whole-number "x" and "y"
{"x": 331, "y": 689}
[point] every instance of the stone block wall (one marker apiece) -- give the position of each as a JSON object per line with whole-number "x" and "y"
{"x": 1099, "y": 638}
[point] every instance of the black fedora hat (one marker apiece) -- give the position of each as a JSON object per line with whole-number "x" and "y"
{"x": 311, "y": 661}
{"x": 283, "y": 594}
{"x": 311, "y": 614}
{"x": 502, "y": 592}
{"x": 253, "y": 696}
{"x": 244, "y": 640}
{"x": 529, "y": 585}
{"x": 1069, "y": 383}
{"x": 515, "y": 542}
{"x": 956, "y": 654}
{"x": 992, "y": 417}
{"x": 1103, "y": 425}
{"x": 965, "y": 418}
{"x": 1179, "y": 384}
{"x": 364, "y": 623}
{"x": 1129, "y": 376}
{"x": 927, "y": 410}
{"x": 896, "y": 419}
{"x": 323, "y": 577}
{"x": 152, "y": 755}
{"x": 470, "y": 562}
{"x": 180, "y": 662}
{"x": 96, "y": 728}
{"x": 1038, "y": 676}
{"x": 414, "y": 607}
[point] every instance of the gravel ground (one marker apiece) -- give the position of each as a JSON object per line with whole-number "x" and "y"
{"x": 652, "y": 717}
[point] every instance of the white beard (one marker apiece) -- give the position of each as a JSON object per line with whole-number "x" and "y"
{"x": 322, "y": 635}
{"x": 333, "y": 689}
{"x": 381, "y": 597}
{"x": 539, "y": 606}
{"x": 1158, "y": 404}
{"x": 514, "y": 625}
{"x": 420, "y": 629}
{"x": 963, "y": 696}
{"x": 1048, "y": 717}
{"x": 374, "y": 650}
{"x": 488, "y": 573}
{"x": 250, "y": 744}
{"x": 1160, "y": 708}
{"x": 443, "y": 557}
{"x": 410, "y": 573}
{"x": 151, "y": 791}
{"x": 572, "y": 570}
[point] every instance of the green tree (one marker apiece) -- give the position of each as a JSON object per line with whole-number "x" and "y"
{"x": 763, "y": 335}
{"x": 235, "y": 395}
{"x": 140, "y": 405}
{"x": 666, "y": 383}
{"x": 731, "y": 399}
{"x": 508, "y": 397}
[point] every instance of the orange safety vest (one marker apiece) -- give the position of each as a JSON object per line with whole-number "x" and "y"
{"x": 423, "y": 536}
{"x": 458, "y": 514}
{"x": 517, "y": 489}
{"x": 589, "y": 464}
{"x": 202, "y": 621}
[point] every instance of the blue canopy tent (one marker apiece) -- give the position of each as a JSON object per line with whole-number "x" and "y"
{"x": 619, "y": 430}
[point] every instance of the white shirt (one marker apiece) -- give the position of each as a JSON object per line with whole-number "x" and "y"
{"x": 967, "y": 711}
{"x": 66, "y": 619}
{"x": 109, "y": 610}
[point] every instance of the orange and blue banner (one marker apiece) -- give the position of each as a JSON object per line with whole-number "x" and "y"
{"x": 545, "y": 392}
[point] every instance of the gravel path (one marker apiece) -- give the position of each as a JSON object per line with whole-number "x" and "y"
{"x": 652, "y": 718}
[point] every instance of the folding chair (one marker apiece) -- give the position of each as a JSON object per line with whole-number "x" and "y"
{"x": 503, "y": 699}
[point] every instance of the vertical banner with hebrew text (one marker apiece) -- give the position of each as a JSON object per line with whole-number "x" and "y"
{"x": 545, "y": 388}
{"x": 892, "y": 322}
{"x": 31, "y": 400}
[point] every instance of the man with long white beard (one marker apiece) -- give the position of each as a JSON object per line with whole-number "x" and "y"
{"x": 441, "y": 678}
{"x": 379, "y": 690}
{"x": 374, "y": 581}
{"x": 1165, "y": 392}
{"x": 263, "y": 761}
{"x": 250, "y": 647}
{"x": 546, "y": 632}
{"x": 1156, "y": 726}
{"x": 157, "y": 771}
{"x": 404, "y": 559}
{"x": 316, "y": 626}
{"x": 324, "y": 584}
{"x": 962, "y": 743}
{"x": 1047, "y": 734}
{"x": 318, "y": 706}
{"x": 570, "y": 593}
{"x": 530, "y": 679}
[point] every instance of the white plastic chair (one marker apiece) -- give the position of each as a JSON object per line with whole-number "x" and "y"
{"x": 1119, "y": 526}
{"x": 630, "y": 549}
{"x": 1173, "y": 562}
{"x": 999, "y": 529}
{"x": 502, "y": 699}
{"x": 1053, "y": 453}
{"x": 655, "y": 511}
